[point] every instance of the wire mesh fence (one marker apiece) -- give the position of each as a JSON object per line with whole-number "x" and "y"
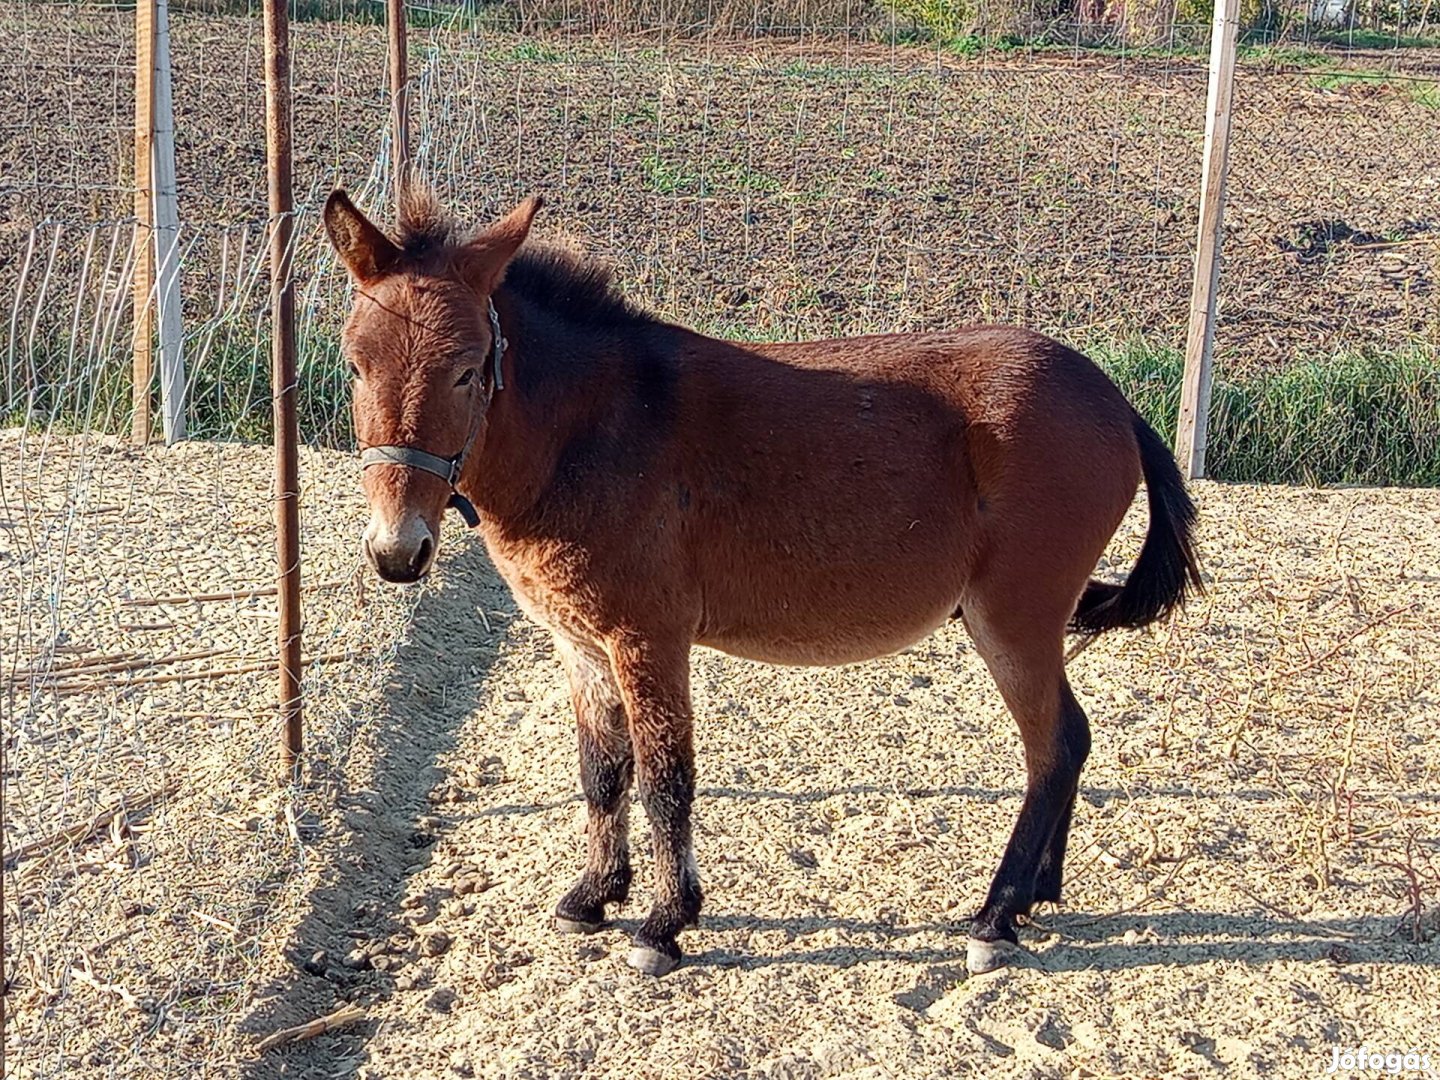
{"x": 802, "y": 182}
{"x": 777, "y": 180}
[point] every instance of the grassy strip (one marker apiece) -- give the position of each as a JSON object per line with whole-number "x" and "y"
{"x": 1365, "y": 417}
{"x": 1358, "y": 417}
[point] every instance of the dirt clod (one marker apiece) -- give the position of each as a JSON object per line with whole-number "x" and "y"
{"x": 357, "y": 959}
{"x": 435, "y": 944}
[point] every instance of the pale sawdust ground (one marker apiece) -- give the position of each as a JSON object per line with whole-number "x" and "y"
{"x": 1235, "y": 893}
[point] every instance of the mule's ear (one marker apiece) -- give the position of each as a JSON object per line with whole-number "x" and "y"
{"x": 485, "y": 258}
{"x": 365, "y": 250}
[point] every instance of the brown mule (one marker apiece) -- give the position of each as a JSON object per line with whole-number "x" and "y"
{"x": 643, "y": 488}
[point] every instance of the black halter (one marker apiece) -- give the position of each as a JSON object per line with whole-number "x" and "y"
{"x": 447, "y": 469}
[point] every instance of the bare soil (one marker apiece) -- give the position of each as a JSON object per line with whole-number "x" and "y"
{"x": 798, "y": 188}
{"x": 1254, "y": 876}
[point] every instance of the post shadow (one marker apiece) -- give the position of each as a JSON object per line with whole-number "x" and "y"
{"x": 381, "y": 841}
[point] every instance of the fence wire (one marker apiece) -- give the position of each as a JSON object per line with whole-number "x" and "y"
{"x": 773, "y": 181}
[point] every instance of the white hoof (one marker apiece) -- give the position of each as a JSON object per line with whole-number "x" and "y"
{"x": 575, "y": 926}
{"x": 650, "y": 961}
{"x": 983, "y": 956}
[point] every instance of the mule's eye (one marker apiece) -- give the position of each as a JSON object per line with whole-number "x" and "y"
{"x": 354, "y": 371}
{"x": 465, "y": 377}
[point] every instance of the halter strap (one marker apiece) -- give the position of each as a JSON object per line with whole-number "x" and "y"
{"x": 448, "y": 469}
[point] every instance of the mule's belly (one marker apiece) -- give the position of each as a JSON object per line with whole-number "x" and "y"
{"x": 795, "y": 615}
{"x": 835, "y": 645}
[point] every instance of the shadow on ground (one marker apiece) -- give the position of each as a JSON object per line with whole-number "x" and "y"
{"x": 385, "y": 831}
{"x": 1086, "y": 942}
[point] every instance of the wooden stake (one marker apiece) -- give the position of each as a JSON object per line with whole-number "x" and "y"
{"x": 278, "y": 144}
{"x": 399, "y": 94}
{"x": 144, "y": 280}
{"x": 1200, "y": 340}
{"x": 167, "y": 238}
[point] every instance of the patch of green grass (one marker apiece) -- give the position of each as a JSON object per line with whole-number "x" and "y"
{"x": 1378, "y": 39}
{"x": 1421, "y": 91}
{"x": 530, "y": 51}
{"x": 967, "y": 45}
{"x": 227, "y": 393}
{"x": 668, "y": 177}
{"x": 1338, "y": 80}
{"x": 645, "y": 114}
{"x": 1284, "y": 56}
{"x": 1425, "y": 93}
{"x": 1360, "y": 417}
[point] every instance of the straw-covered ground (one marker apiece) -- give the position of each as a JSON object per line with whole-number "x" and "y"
{"x": 1254, "y": 877}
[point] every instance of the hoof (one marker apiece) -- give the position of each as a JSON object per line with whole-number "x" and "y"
{"x": 650, "y": 961}
{"x": 983, "y": 956}
{"x": 575, "y": 926}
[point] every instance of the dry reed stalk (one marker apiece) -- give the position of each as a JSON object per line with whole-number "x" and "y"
{"x": 74, "y": 662}
{"x": 181, "y": 676}
{"x": 1347, "y": 639}
{"x": 119, "y": 665}
{"x": 341, "y": 1017}
{"x": 82, "y": 831}
{"x": 234, "y": 594}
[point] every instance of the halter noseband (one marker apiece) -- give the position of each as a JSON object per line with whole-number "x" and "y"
{"x": 447, "y": 469}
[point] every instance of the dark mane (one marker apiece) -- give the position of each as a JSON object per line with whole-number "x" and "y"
{"x": 554, "y": 275}
{"x": 573, "y": 284}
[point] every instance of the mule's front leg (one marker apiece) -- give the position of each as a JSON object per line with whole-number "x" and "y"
{"x": 606, "y": 767}
{"x": 654, "y": 681}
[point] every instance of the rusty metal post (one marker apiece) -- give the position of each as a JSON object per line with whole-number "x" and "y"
{"x": 279, "y": 157}
{"x": 399, "y": 95}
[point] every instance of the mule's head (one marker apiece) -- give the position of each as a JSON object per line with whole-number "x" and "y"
{"x": 424, "y": 358}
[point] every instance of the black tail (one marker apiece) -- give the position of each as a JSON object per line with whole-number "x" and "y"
{"x": 1167, "y": 567}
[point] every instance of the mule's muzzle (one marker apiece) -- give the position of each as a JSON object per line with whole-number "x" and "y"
{"x": 403, "y": 555}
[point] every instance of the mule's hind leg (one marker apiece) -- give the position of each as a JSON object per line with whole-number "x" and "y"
{"x": 606, "y": 768}
{"x": 1026, "y": 661}
{"x": 1049, "y": 877}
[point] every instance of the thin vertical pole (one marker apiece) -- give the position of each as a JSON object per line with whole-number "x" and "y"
{"x": 6, "y": 1002}
{"x": 399, "y": 95}
{"x": 1200, "y": 340}
{"x": 167, "y": 238}
{"x": 278, "y": 146}
{"x": 143, "y": 284}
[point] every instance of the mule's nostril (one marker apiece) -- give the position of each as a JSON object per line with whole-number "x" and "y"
{"x": 422, "y": 556}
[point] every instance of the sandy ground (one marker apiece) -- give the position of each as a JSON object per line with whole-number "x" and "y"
{"x": 1255, "y": 866}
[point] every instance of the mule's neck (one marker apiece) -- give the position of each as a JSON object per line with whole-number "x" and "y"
{"x": 558, "y": 378}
